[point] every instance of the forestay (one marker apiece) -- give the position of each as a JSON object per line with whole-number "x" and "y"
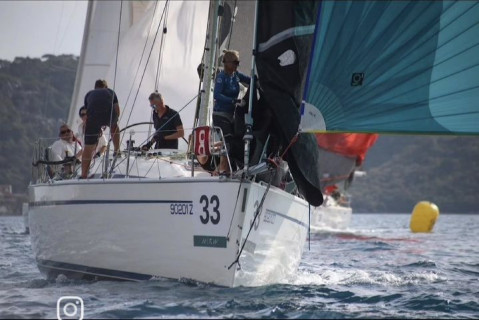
{"x": 394, "y": 66}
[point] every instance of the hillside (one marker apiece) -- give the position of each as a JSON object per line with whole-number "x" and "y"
{"x": 35, "y": 98}
{"x": 401, "y": 170}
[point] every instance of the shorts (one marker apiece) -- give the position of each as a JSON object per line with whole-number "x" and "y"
{"x": 226, "y": 126}
{"x": 94, "y": 123}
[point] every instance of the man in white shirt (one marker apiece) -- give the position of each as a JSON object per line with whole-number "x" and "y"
{"x": 65, "y": 147}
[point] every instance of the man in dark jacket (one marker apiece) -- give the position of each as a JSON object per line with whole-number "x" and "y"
{"x": 102, "y": 110}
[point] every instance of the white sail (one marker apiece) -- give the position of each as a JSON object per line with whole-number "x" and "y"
{"x": 132, "y": 70}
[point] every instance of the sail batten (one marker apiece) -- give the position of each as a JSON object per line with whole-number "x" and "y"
{"x": 394, "y": 67}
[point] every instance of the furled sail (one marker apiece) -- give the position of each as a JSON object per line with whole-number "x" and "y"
{"x": 284, "y": 40}
{"x": 394, "y": 66}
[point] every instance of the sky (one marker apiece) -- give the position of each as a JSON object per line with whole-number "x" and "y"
{"x": 34, "y": 28}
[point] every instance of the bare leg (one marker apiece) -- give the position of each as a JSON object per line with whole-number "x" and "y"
{"x": 224, "y": 164}
{"x": 86, "y": 159}
{"x": 115, "y": 131}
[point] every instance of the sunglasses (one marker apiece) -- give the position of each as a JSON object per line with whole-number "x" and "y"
{"x": 236, "y": 63}
{"x": 65, "y": 131}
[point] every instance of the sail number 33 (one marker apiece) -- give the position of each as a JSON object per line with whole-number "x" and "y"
{"x": 211, "y": 211}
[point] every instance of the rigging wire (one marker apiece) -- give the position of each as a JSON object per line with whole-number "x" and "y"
{"x": 160, "y": 52}
{"x": 160, "y": 55}
{"x": 234, "y": 210}
{"x": 142, "y": 55}
{"x": 144, "y": 70}
{"x": 256, "y": 215}
{"x": 147, "y": 60}
{"x": 150, "y": 136}
{"x": 113, "y": 95}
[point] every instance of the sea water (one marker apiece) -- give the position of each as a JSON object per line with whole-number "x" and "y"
{"x": 375, "y": 269}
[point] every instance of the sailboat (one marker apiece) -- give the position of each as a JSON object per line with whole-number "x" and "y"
{"x": 158, "y": 213}
{"x": 339, "y": 67}
{"x": 341, "y": 159}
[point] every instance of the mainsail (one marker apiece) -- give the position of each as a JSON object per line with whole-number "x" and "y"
{"x": 394, "y": 66}
{"x": 140, "y": 47}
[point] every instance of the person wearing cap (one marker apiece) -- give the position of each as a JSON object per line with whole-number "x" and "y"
{"x": 167, "y": 123}
{"x": 102, "y": 110}
{"x": 226, "y": 98}
{"x": 66, "y": 146}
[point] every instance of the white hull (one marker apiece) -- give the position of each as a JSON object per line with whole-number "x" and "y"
{"x": 132, "y": 229}
{"x": 331, "y": 215}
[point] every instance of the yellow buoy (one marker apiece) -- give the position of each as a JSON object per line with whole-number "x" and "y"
{"x": 424, "y": 216}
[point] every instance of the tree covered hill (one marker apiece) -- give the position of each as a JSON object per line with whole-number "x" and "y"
{"x": 403, "y": 170}
{"x": 35, "y": 97}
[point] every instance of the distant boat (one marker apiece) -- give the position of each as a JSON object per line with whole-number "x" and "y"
{"x": 341, "y": 154}
{"x": 330, "y": 66}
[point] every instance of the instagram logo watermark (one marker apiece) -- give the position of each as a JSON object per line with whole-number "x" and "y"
{"x": 70, "y": 307}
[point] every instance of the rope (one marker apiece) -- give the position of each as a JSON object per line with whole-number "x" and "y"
{"x": 293, "y": 141}
{"x": 256, "y": 214}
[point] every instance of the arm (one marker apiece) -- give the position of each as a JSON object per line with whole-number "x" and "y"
{"x": 178, "y": 134}
{"x": 116, "y": 107}
{"x": 244, "y": 78}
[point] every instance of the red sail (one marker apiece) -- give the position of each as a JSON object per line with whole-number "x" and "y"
{"x": 354, "y": 145}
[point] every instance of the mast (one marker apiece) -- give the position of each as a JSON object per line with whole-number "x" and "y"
{"x": 209, "y": 70}
{"x": 248, "y": 136}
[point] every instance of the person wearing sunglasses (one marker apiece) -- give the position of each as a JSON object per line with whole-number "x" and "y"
{"x": 80, "y": 135}
{"x": 65, "y": 147}
{"x": 167, "y": 123}
{"x": 226, "y": 91}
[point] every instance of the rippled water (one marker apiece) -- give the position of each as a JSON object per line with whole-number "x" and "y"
{"x": 375, "y": 269}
